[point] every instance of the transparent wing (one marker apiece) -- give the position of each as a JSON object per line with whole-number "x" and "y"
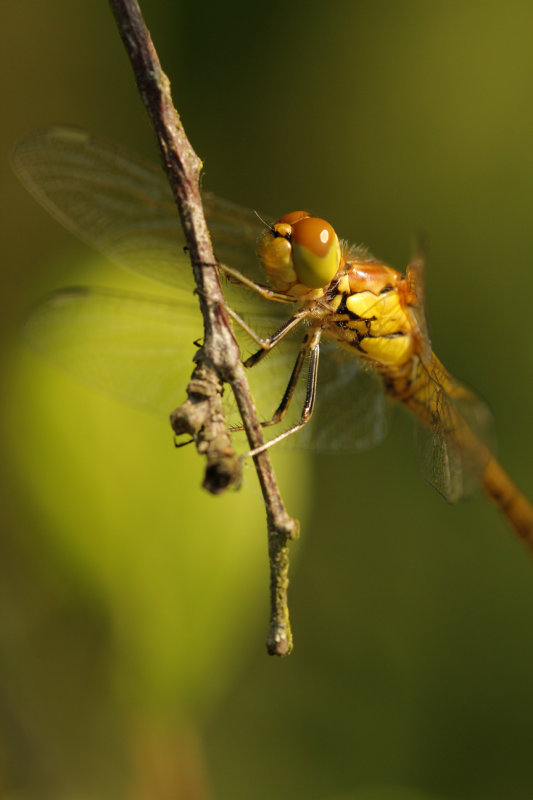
{"x": 415, "y": 275}
{"x": 137, "y": 348}
{"x": 455, "y": 441}
{"x": 454, "y": 428}
{"x": 352, "y": 412}
{"x": 124, "y": 208}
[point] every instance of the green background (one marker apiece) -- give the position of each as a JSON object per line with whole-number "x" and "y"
{"x": 133, "y": 607}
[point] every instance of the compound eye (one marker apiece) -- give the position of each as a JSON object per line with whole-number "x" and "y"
{"x": 315, "y": 251}
{"x": 293, "y": 217}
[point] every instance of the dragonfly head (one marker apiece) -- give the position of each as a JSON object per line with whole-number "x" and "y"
{"x": 300, "y": 253}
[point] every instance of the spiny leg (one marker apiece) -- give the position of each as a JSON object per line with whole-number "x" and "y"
{"x": 269, "y": 342}
{"x": 289, "y": 391}
{"x": 312, "y": 344}
{"x": 281, "y": 410}
{"x": 234, "y": 276}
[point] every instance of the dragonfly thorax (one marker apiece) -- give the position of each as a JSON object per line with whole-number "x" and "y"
{"x": 371, "y": 314}
{"x": 301, "y": 255}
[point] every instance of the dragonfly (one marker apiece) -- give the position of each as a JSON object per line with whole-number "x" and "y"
{"x": 363, "y": 320}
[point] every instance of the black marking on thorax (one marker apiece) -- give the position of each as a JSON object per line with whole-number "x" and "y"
{"x": 346, "y": 316}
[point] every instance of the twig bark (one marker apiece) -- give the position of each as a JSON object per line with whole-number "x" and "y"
{"x": 219, "y": 359}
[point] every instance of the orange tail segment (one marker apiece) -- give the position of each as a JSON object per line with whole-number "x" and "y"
{"x": 510, "y": 500}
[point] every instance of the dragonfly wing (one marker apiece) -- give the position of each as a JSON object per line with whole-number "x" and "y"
{"x": 353, "y": 411}
{"x": 442, "y": 465}
{"x": 416, "y": 278}
{"x": 124, "y": 208}
{"x": 235, "y": 231}
{"x": 454, "y": 449}
{"x": 136, "y": 348}
{"x": 453, "y": 445}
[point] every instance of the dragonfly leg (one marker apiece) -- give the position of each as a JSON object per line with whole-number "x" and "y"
{"x": 271, "y": 341}
{"x": 310, "y": 344}
{"x": 289, "y": 391}
{"x": 291, "y": 386}
{"x": 234, "y": 276}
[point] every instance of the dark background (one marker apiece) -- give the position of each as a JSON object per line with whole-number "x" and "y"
{"x": 132, "y": 606}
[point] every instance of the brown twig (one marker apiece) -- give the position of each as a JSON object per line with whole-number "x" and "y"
{"x": 219, "y": 359}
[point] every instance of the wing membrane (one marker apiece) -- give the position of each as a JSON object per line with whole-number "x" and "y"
{"x": 136, "y": 348}
{"x": 124, "y": 208}
{"x": 454, "y": 427}
{"x": 352, "y": 412}
{"x": 454, "y": 446}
